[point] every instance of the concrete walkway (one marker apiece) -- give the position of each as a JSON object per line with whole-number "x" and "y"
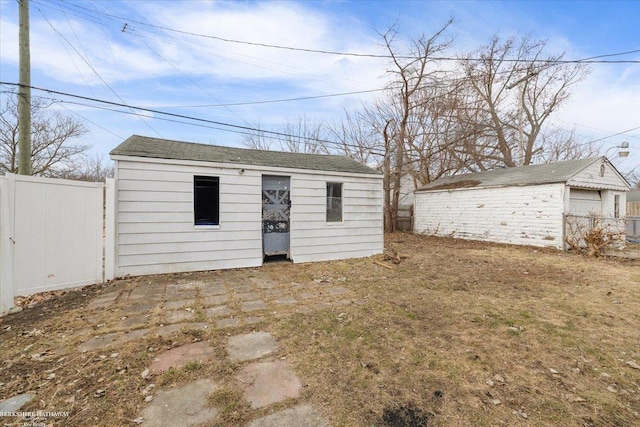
{"x": 165, "y": 305}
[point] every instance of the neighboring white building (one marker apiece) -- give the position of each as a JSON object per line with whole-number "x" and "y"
{"x": 525, "y": 205}
{"x": 190, "y": 207}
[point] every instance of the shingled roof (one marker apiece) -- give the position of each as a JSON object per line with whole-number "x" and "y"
{"x": 548, "y": 173}
{"x": 142, "y": 146}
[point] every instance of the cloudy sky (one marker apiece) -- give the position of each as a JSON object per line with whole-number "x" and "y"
{"x": 184, "y": 57}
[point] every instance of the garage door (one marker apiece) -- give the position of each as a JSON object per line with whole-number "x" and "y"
{"x": 584, "y": 202}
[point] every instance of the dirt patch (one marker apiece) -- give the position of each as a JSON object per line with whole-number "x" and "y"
{"x": 458, "y": 333}
{"x": 405, "y": 416}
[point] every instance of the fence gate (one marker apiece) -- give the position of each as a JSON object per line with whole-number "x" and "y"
{"x": 51, "y": 232}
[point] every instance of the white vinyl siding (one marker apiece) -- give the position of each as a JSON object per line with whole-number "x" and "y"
{"x": 359, "y": 234}
{"x": 156, "y": 231}
{"x": 155, "y": 217}
{"x": 530, "y": 215}
{"x": 590, "y": 178}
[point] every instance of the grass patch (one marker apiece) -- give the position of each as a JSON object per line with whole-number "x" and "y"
{"x": 458, "y": 334}
{"x": 231, "y": 404}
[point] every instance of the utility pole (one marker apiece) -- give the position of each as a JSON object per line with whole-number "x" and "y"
{"x": 24, "y": 91}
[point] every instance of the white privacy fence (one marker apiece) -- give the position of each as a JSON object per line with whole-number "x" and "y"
{"x": 52, "y": 235}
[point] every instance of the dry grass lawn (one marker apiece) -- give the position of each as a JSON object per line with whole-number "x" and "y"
{"x": 458, "y": 334}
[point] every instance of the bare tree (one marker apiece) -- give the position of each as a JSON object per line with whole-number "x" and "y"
{"x": 356, "y": 138}
{"x": 52, "y": 151}
{"x": 434, "y": 150}
{"x": 411, "y": 73}
{"x": 90, "y": 168}
{"x": 257, "y": 140}
{"x": 516, "y": 86}
{"x": 301, "y": 136}
{"x": 559, "y": 144}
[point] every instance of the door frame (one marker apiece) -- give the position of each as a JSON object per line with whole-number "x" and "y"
{"x": 281, "y": 238}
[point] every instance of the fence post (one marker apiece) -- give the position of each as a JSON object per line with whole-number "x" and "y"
{"x": 7, "y": 200}
{"x": 565, "y": 246}
{"x": 110, "y": 229}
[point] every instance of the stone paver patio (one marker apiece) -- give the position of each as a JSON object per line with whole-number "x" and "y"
{"x": 166, "y": 305}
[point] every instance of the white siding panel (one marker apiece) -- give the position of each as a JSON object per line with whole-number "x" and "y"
{"x": 184, "y": 228}
{"x": 359, "y": 234}
{"x": 148, "y": 206}
{"x": 183, "y": 187}
{"x": 138, "y": 217}
{"x": 156, "y": 233}
{"x": 331, "y": 248}
{"x": 150, "y": 258}
{"x": 154, "y": 196}
{"x": 519, "y": 215}
{"x": 590, "y": 178}
{"x": 190, "y": 236}
{"x": 319, "y": 230}
{"x": 193, "y": 246}
{"x": 172, "y": 267}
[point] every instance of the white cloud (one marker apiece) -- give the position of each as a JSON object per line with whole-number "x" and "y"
{"x": 608, "y": 99}
{"x": 606, "y": 102}
{"x": 283, "y": 24}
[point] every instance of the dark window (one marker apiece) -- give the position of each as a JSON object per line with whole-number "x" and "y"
{"x": 616, "y": 206}
{"x": 206, "y": 200}
{"x": 334, "y": 202}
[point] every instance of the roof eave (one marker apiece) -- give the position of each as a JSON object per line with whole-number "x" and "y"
{"x": 248, "y": 166}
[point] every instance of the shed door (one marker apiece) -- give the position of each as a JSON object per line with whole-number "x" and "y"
{"x": 584, "y": 202}
{"x": 275, "y": 215}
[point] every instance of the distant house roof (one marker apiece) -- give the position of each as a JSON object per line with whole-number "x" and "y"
{"x": 633, "y": 196}
{"x": 548, "y": 173}
{"x": 142, "y": 146}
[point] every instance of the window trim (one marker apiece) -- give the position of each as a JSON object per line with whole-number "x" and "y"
{"x": 201, "y": 179}
{"x": 616, "y": 206}
{"x": 327, "y": 202}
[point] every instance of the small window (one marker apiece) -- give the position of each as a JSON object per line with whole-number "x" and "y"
{"x": 206, "y": 200}
{"x": 334, "y": 202}
{"x": 616, "y": 206}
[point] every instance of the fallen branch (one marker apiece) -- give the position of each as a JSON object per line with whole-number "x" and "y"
{"x": 383, "y": 265}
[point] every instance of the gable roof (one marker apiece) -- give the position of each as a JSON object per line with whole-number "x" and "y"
{"x": 548, "y": 173}
{"x": 143, "y": 146}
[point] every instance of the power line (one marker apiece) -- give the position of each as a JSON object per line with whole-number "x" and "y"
{"x": 273, "y": 101}
{"x": 610, "y": 136}
{"x": 195, "y": 83}
{"x": 245, "y": 129}
{"x": 612, "y": 54}
{"x": 92, "y": 68}
{"x": 589, "y": 127}
{"x": 131, "y": 31}
{"x": 60, "y": 102}
{"x": 589, "y": 60}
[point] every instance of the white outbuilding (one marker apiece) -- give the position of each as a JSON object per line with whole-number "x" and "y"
{"x": 525, "y": 205}
{"x": 191, "y": 207}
